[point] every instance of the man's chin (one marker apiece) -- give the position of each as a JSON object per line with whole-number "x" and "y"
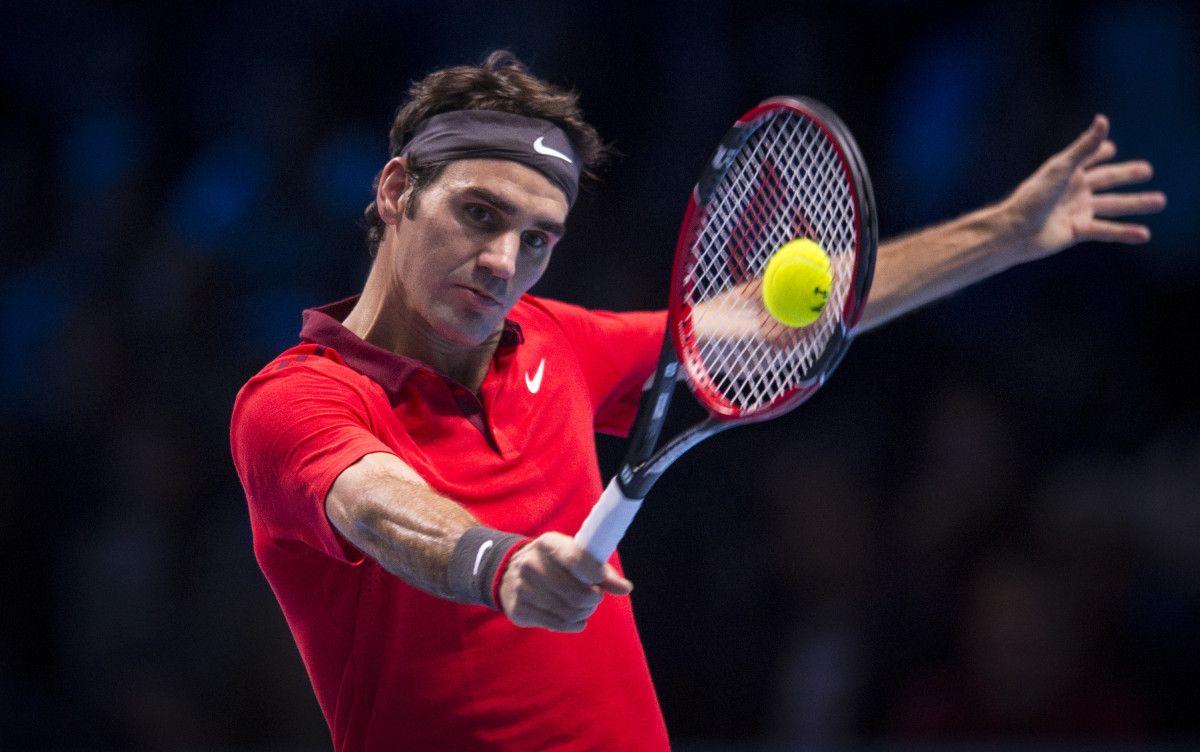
{"x": 471, "y": 333}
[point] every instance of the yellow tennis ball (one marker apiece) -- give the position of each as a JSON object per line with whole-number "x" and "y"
{"x": 796, "y": 283}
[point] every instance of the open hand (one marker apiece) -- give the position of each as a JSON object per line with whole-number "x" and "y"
{"x": 1069, "y": 199}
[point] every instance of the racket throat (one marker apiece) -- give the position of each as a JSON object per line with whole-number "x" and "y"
{"x": 652, "y": 409}
{"x": 637, "y": 480}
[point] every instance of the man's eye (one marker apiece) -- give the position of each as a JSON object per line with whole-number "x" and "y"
{"x": 535, "y": 240}
{"x": 479, "y": 214}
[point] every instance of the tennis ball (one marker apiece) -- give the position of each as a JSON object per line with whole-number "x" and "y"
{"x": 796, "y": 283}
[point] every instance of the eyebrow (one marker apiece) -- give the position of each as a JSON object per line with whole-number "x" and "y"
{"x": 507, "y": 207}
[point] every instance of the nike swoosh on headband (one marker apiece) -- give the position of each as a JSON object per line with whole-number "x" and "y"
{"x": 541, "y": 148}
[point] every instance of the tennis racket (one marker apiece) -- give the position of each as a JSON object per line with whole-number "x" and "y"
{"x": 787, "y": 169}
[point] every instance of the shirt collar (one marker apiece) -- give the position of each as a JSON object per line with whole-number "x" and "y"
{"x": 323, "y": 326}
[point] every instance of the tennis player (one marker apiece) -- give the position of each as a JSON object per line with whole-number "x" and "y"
{"x": 411, "y": 465}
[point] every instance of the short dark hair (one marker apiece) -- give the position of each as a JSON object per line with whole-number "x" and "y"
{"x": 501, "y": 83}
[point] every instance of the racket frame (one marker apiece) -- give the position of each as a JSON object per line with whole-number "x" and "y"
{"x": 866, "y": 240}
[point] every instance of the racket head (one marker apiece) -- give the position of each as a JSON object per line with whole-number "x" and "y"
{"x": 788, "y": 168}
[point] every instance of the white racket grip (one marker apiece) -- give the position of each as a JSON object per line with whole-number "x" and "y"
{"x": 606, "y": 524}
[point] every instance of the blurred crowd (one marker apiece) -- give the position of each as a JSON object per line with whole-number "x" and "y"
{"x": 983, "y": 528}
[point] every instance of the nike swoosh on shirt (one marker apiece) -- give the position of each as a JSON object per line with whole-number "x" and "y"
{"x": 535, "y": 383}
{"x": 541, "y": 148}
{"x": 479, "y": 556}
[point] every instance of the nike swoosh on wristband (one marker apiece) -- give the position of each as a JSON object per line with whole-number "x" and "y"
{"x": 535, "y": 383}
{"x": 479, "y": 556}
{"x": 541, "y": 148}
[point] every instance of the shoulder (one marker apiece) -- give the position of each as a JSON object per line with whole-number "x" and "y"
{"x": 301, "y": 403}
{"x": 302, "y": 375}
{"x": 307, "y": 362}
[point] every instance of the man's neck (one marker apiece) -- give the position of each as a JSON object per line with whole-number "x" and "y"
{"x": 383, "y": 321}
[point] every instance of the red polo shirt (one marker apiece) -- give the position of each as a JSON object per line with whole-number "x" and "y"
{"x": 394, "y": 667}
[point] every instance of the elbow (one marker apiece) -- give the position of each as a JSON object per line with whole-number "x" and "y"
{"x": 348, "y": 504}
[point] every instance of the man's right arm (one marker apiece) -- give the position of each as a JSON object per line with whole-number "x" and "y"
{"x": 387, "y": 511}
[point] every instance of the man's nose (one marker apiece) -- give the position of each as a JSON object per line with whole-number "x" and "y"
{"x": 500, "y": 255}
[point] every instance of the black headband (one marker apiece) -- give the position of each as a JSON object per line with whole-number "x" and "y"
{"x": 485, "y": 134}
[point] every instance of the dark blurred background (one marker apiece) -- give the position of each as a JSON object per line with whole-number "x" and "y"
{"x": 984, "y": 529}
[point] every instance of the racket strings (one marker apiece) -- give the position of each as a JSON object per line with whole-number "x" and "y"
{"x": 787, "y": 181}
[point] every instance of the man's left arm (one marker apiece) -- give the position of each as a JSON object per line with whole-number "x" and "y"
{"x": 1068, "y": 200}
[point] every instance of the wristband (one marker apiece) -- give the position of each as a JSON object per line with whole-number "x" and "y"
{"x": 475, "y": 563}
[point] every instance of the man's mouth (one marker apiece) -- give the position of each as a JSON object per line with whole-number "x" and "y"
{"x": 480, "y": 297}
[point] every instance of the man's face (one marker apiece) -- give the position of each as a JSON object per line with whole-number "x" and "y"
{"x": 480, "y": 237}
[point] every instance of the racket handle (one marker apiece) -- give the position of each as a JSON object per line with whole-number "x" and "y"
{"x": 606, "y": 524}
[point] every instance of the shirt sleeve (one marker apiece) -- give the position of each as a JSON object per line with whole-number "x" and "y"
{"x": 294, "y": 430}
{"x": 618, "y": 353}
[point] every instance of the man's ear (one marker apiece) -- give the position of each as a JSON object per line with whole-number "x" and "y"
{"x": 392, "y": 193}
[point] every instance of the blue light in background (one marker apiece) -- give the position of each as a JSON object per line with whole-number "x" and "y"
{"x": 268, "y": 321}
{"x": 936, "y": 107}
{"x": 99, "y": 150}
{"x": 345, "y": 169}
{"x": 32, "y": 308}
{"x": 1142, "y": 54}
{"x": 1144, "y": 68}
{"x": 222, "y": 187}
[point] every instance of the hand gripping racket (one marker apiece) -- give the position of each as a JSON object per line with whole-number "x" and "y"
{"x": 787, "y": 169}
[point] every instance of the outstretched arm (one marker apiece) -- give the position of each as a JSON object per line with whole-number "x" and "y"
{"x": 1068, "y": 200}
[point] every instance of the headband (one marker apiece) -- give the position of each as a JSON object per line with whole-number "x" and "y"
{"x": 486, "y": 134}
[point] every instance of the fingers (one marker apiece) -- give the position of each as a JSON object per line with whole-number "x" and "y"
{"x": 540, "y": 605}
{"x": 1115, "y": 232}
{"x": 615, "y": 583}
{"x": 569, "y": 555}
{"x": 555, "y": 584}
{"x": 531, "y": 615}
{"x": 1088, "y": 143}
{"x": 1105, "y": 152}
{"x": 1115, "y": 175}
{"x": 1127, "y": 204}
{"x": 579, "y": 564}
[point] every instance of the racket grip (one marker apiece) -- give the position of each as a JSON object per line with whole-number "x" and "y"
{"x": 606, "y": 524}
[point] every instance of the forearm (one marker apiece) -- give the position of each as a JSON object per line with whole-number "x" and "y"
{"x": 923, "y": 266}
{"x": 388, "y": 512}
